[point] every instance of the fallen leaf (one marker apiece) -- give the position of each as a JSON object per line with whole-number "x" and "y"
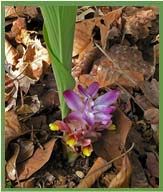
{"x": 152, "y": 115}
{"x": 138, "y": 24}
{"x": 11, "y": 163}
{"x": 24, "y": 11}
{"x": 94, "y": 173}
{"x": 30, "y": 183}
{"x": 39, "y": 159}
{"x": 35, "y": 59}
{"x": 12, "y": 127}
{"x": 81, "y": 14}
{"x": 122, "y": 179}
{"x": 112, "y": 143}
{"x": 130, "y": 58}
{"x": 83, "y": 38}
{"x": 138, "y": 178}
{"x": 152, "y": 165}
{"x": 17, "y": 25}
{"x": 143, "y": 102}
{"x": 151, "y": 91}
{"x": 11, "y": 54}
{"x": 26, "y": 150}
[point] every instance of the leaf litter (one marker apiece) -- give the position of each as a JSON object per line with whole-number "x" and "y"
{"x": 119, "y": 49}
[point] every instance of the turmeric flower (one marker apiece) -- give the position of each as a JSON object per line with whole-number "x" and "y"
{"x": 89, "y": 115}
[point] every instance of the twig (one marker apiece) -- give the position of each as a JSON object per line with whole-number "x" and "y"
{"x": 116, "y": 65}
{"x": 130, "y": 96}
{"x": 116, "y": 158}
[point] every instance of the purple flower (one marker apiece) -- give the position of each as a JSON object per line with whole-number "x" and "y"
{"x": 89, "y": 109}
{"x": 89, "y": 115}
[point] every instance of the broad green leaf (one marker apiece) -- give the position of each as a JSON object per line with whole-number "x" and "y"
{"x": 59, "y": 22}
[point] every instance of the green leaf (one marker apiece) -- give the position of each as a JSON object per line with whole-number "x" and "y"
{"x": 59, "y": 22}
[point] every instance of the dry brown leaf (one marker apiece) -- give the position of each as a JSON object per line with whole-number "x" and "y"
{"x": 151, "y": 91}
{"x": 18, "y": 11}
{"x": 143, "y": 102}
{"x": 11, "y": 54}
{"x": 35, "y": 59}
{"x": 152, "y": 165}
{"x": 82, "y": 13}
{"x": 111, "y": 143}
{"x": 124, "y": 124}
{"x": 83, "y": 37}
{"x": 138, "y": 24}
{"x": 94, "y": 173}
{"x": 105, "y": 22}
{"x": 130, "y": 58}
{"x": 12, "y": 127}
{"x": 30, "y": 183}
{"x": 138, "y": 178}
{"x": 17, "y": 25}
{"x": 105, "y": 74}
{"x": 152, "y": 115}
{"x": 39, "y": 159}
{"x": 11, "y": 163}
{"x": 122, "y": 179}
{"x": 26, "y": 150}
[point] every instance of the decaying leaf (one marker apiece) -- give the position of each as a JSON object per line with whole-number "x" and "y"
{"x": 12, "y": 11}
{"x": 32, "y": 107}
{"x": 83, "y": 38}
{"x": 138, "y": 24}
{"x": 36, "y": 57}
{"x": 128, "y": 59}
{"x": 11, "y": 54}
{"x": 30, "y": 183}
{"x": 151, "y": 91}
{"x": 122, "y": 179}
{"x": 40, "y": 157}
{"x": 112, "y": 143}
{"x": 152, "y": 115}
{"x": 26, "y": 150}
{"x": 17, "y": 25}
{"x": 12, "y": 127}
{"x": 138, "y": 178}
{"x": 94, "y": 173}
{"x": 152, "y": 164}
{"x": 11, "y": 163}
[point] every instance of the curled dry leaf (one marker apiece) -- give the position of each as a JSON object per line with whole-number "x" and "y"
{"x": 26, "y": 150}
{"x": 94, "y": 173}
{"x": 11, "y": 163}
{"x": 11, "y": 54}
{"x": 18, "y": 11}
{"x": 40, "y": 157}
{"x": 36, "y": 57}
{"x": 122, "y": 179}
{"x": 12, "y": 127}
{"x": 138, "y": 24}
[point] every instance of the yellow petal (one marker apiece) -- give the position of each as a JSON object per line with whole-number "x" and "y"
{"x": 112, "y": 127}
{"x": 87, "y": 151}
{"x": 71, "y": 141}
{"x": 54, "y": 127}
